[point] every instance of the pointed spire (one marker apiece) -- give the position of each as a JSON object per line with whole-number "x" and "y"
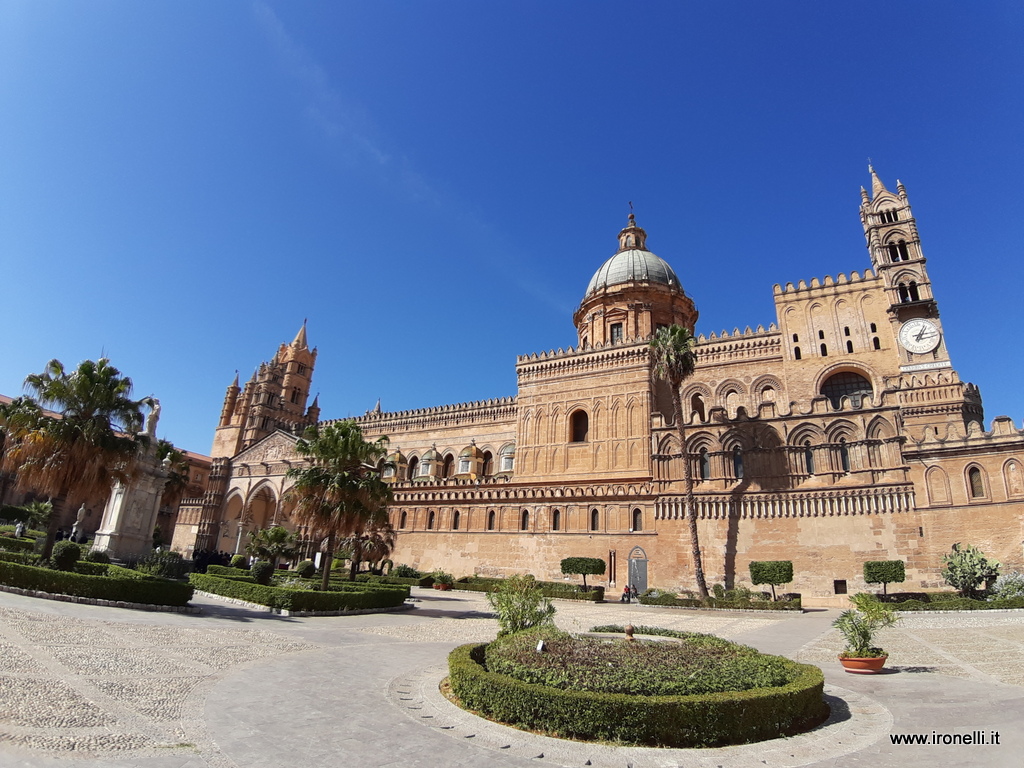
{"x": 376, "y": 408}
{"x": 864, "y": 195}
{"x": 235, "y": 382}
{"x": 877, "y": 186}
{"x": 300, "y": 337}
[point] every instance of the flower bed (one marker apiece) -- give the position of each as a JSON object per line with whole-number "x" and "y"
{"x": 671, "y": 720}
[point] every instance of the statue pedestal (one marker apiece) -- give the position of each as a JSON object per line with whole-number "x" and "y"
{"x": 131, "y": 511}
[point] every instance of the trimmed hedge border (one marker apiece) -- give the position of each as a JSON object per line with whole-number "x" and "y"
{"x": 547, "y": 588}
{"x": 669, "y": 721}
{"x": 300, "y": 600}
{"x": 12, "y": 544}
{"x": 714, "y": 603}
{"x": 144, "y": 591}
{"x": 370, "y": 578}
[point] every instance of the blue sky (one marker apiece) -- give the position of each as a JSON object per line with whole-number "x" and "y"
{"x": 433, "y": 184}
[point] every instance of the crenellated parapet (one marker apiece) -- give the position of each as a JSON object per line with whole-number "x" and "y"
{"x": 972, "y": 435}
{"x": 854, "y": 280}
{"x": 573, "y": 361}
{"x": 498, "y": 409}
{"x": 739, "y": 346}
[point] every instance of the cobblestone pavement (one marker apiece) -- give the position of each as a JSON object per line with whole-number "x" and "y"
{"x": 95, "y": 687}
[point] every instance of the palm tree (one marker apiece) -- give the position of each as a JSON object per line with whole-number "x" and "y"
{"x": 371, "y": 542}
{"x": 272, "y": 544}
{"x": 673, "y": 361}
{"x": 177, "y": 472}
{"x": 341, "y": 490}
{"x": 78, "y": 454}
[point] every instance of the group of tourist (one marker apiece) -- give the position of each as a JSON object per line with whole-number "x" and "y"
{"x": 201, "y": 558}
{"x": 629, "y": 593}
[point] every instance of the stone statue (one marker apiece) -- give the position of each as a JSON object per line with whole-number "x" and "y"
{"x": 153, "y": 418}
{"x": 77, "y": 527}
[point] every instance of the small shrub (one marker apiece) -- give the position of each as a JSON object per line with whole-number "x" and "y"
{"x": 773, "y": 572}
{"x": 520, "y": 605}
{"x": 884, "y": 572}
{"x": 718, "y": 590}
{"x": 965, "y": 568}
{"x": 239, "y": 561}
{"x": 583, "y": 566}
{"x": 404, "y": 571}
{"x": 65, "y": 555}
{"x": 96, "y": 556}
{"x": 443, "y": 577}
{"x": 262, "y": 572}
{"x": 305, "y": 569}
{"x": 165, "y": 564}
{"x": 1008, "y": 586}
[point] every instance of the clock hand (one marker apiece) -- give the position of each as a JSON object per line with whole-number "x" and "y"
{"x": 920, "y": 335}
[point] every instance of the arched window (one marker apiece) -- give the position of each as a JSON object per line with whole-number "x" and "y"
{"x": 430, "y": 522}
{"x": 697, "y": 406}
{"x": 875, "y": 343}
{"x": 638, "y": 520}
{"x": 403, "y": 519}
{"x": 488, "y": 464}
{"x": 490, "y": 520}
{"x": 414, "y": 466}
{"x": 796, "y": 353}
{"x": 846, "y": 384}
{"x": 580, "y": 426}
{"x": 556, "y": 520}
{"x": 595, "y": 520}
{"x": 448, "y": 468}
{"x": 913, "y": 292}
{"x": 849, "y": 346}
{"x": 976, "y": 483}
{"x": 524, "y": 522}
{"x": 704, "y": 463}
{"x": 874, "y": 328}
{"x": 507, "y": 458}
{"x": 844, "y": 455}
{"x": 904, "y": 293}
{"x": 809, "y": 457}
{"x": 456, "y": 517}
{"x": 824, "y": 350}
{"x": 737, "y": 463}
{"x": 901, "y": 248}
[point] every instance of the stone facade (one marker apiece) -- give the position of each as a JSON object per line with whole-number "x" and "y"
{"x": 838, "y": 434}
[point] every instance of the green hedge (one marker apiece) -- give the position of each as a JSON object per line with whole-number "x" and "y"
{"x": 110, "y": 587}
{"x": 669, "y": 721}
{"x": 25, "y": 558}
{"x": 421, "y": 581}
{"x": 667, "y": 598}
{"x": 90, "y": 569}
{"x": 12, "y": 544}
{"x": 547, "y": 588}
{"x": 287, "y": 599}
{"x": 946, "y": 601}
{"x": 30, "y": 533}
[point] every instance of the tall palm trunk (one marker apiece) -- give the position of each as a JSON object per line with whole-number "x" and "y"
{"x": 691, "y": 507}
{"x": 357, "y": 558}
{"x": 325, "y": 568}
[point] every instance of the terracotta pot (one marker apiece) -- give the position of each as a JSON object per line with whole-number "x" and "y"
{"x": 863, "y": 666}
{"x": 443, "y": 586}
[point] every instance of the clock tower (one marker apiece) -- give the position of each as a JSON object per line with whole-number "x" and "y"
{"x": 929, "y": 389}
{"x": 895, "y": 249}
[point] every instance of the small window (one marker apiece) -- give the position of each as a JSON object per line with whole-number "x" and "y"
{"x": 808, "y": 457}
{"x": 704, "y": 462}
{"x": 844, "y": 455}
{"x": 796, "y": 353}
{"x": 389, "y": 470}
{"x": 976, "y": 482}
{"x": 403, "y": 520}
{"x": 875, "y": 343}
{"x": 507, "y": 458}
{"x": 490, "y": 520}
{"x": 839, "y": 586}
{"x": 737, "y": 463}
{"x": 901, "y": 248}
{"x": 697, "y": 407}
{"x": 615, "y": 333}
{"x": 488, "y": 464}
{"x": 414, "y": 467}
{"x": 913, "y": 292}
{"x": 849, "y": 346}
{"x": 296, "y": 394}
{"x": 796, "y": 338}
{"x": 874, "y": 328}
{"x": 301, "y": 369}
{"x": 580, "y": 424}
{"x": 595, "y": 520}
{"x": 524, "y": 521}
{"x": 464, "y": 466}
{"x": 448, "y": 466}
{"x": 821, "y": 334}
{"x": 824, "y": 350}
{"x": 456, "y": 519}
{"x": 430, "y": 522}
{"x": 556, "y": 520}
{"x": 638, "y": 521}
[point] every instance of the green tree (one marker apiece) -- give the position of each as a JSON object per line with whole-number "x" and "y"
{"x": 178, "y": 472}
{"x": 341, "y": 488}
{"x": 76, "y": 456}
{"x": 773, "y": 572}
{"x": 583, "y": 566}
{"x": 373, "y": 540}
{"x": 520, "y": 605}
{"x": 673, "y": 361}
{"x": 272, "y": 544}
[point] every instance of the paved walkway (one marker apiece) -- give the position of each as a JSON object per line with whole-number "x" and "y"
{"x": 90, "y": 687}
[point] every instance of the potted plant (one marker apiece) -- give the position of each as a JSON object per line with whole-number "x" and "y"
{"x": 858, "y": 627}
{"x": 443, "y": 580}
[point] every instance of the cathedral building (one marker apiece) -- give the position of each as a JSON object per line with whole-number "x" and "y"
{"x": 840, "y": 433}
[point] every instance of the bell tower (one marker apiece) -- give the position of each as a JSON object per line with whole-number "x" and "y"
{"x": 896, "y": 256}
{"x": 274, "y": 398}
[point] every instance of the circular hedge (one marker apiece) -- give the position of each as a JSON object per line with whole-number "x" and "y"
{"x": 699, "y": 719}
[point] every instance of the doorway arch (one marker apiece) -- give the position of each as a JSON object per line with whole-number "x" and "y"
{"x": 637, "y": 569}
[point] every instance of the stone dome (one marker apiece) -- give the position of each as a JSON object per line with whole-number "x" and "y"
{"x": 633, "y": 263}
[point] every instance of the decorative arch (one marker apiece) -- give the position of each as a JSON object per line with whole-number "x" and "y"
{"x": 937, "y": 484}
{"x": 804, "y": 432}
{"x": 668, "y": 445}
{"x": 579, "y": 426}
{"x": 846, "y": 381}
{"x": 977, "y": 482}
{"x": 840, "y": 429}
{"x": 637, "y": 520}
{"x": 1013, "y": 478}
{"x": 763, "y": 383}
{"x": 880, "y": 429}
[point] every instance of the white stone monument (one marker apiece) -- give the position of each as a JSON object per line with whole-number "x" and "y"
{"x": 131, "y": 511}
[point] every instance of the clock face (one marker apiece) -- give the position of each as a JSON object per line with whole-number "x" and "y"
{"x": 919, "y": 336}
